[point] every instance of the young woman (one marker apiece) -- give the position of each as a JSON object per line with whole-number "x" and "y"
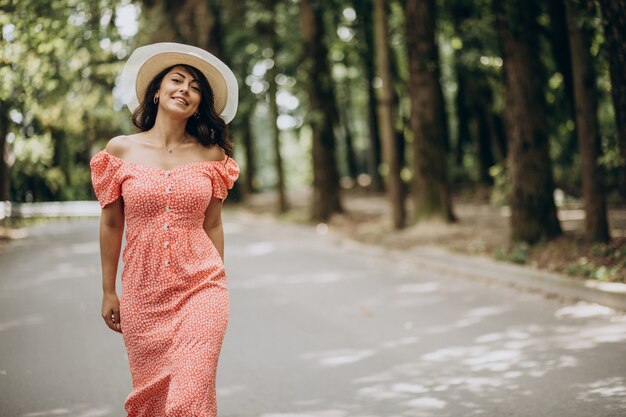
{"x": 167, "y": 183}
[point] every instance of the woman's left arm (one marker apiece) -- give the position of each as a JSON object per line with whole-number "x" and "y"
{"x": 213, "y": 225}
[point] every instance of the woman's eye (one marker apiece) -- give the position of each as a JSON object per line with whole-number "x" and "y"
{"x": 195, "y": 89}
{"x": 176, "y": 80}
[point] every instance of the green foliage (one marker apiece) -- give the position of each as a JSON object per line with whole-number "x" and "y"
{"x": 60, "y": 59}
{"x": 518, "y": 253}
{"x": 501, "y": 184}
{"x": 584, "y": 268}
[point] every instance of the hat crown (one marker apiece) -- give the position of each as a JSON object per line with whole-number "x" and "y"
{"x": 148, "y": 61}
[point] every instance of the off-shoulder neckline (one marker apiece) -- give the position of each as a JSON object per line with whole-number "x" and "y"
{"x": 186, "y": 164}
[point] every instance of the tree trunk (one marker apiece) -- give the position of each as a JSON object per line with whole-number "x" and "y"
{"x": 476, "y": 124}
{"x": 401, "y": 119}
{"x": 480, "y": 101}
{"x": 344, "y": 118}
{"x": 214, "y": 28}
{"x": 533, "y": 212}
{"x": 375, "y": 150}
{"x": 326, "y": 200}
{"x": 497, "y": 129}
{"x": 560, "y": 47}
{"x": 248, "y": 148}
{"x": 587, "y": 128}
{"x": 483, "y": 147}
{"x": 431, "y": 191}
{"x": 565, "y": 106}
{"x": 385, "y": 116}
{"x": 5, "y": 183}
{"x": 464, "y": 135}
{"x": 61, "y": 159}
{"x": 367, "y": 54}
{"x": 474, "y": 97}
{"x": 614, "y": 18}
{"x": 272, "y": 92}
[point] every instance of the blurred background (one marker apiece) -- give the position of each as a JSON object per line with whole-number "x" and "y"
{"x": 488, "y": 127}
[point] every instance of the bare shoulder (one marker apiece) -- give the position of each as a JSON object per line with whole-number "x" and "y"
{"x": 213, "y": 153}
{"x": 118, "y": 146}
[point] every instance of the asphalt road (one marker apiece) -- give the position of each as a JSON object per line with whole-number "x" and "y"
{"x": 318, "y": 328}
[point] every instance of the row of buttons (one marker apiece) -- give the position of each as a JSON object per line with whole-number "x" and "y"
{"x": 166, "y": 226}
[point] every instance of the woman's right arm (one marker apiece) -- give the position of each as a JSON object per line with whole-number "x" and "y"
{"x": 111, "y": 231}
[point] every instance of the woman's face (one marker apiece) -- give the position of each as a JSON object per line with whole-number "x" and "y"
{"x": 179, "y": 92}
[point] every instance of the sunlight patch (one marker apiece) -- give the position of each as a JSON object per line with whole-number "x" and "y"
{"x": 425, "y": 287}
{"x": 319, "y": 413}
{"x": 409, "y": 388}
{"x": 260, "y": 249}
{"x": 583, "y": 310}
{"x": 427, "y": 402}
{"x": 338, "y": 357}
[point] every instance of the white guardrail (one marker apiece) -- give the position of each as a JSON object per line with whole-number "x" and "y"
{"x": 50, "y": 209}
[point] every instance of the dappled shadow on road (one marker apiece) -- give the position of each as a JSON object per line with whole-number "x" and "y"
{"x": 361, "y": 335}
{"x": 267, "y": 280}
{"x": 498, "y": 371}
{"x": 511, "y": 366}
{"x": 336, "y": 332}
{"x": 337, "y": 357}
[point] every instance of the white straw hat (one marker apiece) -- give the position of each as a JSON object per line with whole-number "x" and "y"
{"x": 147, "y": 61}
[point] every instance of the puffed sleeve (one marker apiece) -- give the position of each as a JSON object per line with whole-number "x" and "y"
{"x": 105, "y": 177}
{"x": 223, "y": 176}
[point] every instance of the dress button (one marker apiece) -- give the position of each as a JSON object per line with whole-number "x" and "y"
{"x": 167, "y": 209}
{"x": 167, "y": 262}
{"x": 166, "y": 244}
{"x": 167, "y": 174}
{"x": 166, "y": 226}
{"x": 167, "y": 190}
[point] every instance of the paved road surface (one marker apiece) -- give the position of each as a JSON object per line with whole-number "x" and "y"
{"x": 319, "y": 328}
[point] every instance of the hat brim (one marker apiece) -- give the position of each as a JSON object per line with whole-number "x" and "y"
{"x": 148, "y": 61}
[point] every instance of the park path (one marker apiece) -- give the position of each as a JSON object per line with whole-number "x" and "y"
{"x": 319, "y": 327}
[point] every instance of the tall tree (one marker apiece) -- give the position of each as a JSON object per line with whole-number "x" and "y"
{"x": 248, "y": 149}
{"x": 241, "y": 63}
{"x": 431, "y": 191}
{"x": 326, "y": 198}
{"x": 272, "y": 94}
{"x": 533, "y": 212}
{"x": 562, "y": 111}
{"x": 58, "y": 68}
{"x": 587, "y": 128}
{"x": 367, "y": 53}
{"x": 5, "y": 185}
{"x": 344, "y": 119}
{"x": 559, "y": 40}
{"x": 476, "y": 119}
{"x": 385, "y": 115}
{"x": 345, "y": 60}
{"x": 614, "y": 18}
{"x": 480, "y": 100}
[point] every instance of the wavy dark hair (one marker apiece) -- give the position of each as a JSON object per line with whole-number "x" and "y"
{"x": 208, "y": 127}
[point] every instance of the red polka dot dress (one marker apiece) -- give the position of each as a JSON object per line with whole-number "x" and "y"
{"x": 174, "y": 302}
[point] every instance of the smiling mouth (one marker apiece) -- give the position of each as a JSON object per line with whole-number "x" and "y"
{"x": 181, "y": 100}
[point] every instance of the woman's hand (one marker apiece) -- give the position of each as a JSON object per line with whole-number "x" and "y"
{"x": 111, "y": 311}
